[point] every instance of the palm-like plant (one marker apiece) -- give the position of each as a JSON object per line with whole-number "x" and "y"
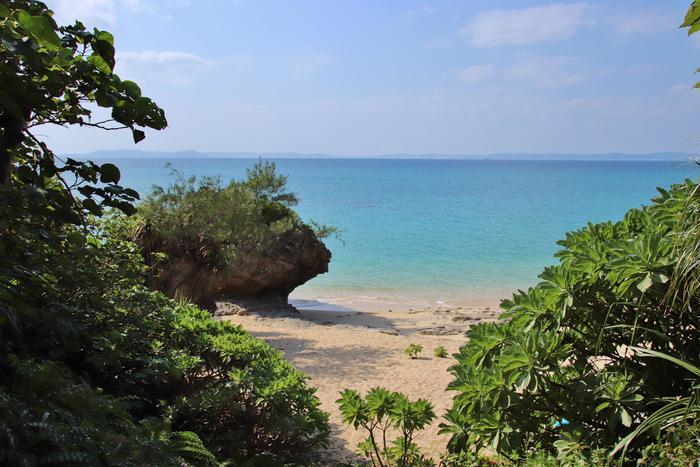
{"x": 675, "y": 410}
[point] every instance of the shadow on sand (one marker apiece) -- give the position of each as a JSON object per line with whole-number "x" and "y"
{"x": 328, "y": 314}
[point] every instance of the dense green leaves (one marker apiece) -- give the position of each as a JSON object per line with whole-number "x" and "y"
{"x": 567, "y": 369}
{"x": 96, "y": 369}
{"x": 50, "y": 75}
{"x": 77, "y": 324}
{"x": 214, "y": 227}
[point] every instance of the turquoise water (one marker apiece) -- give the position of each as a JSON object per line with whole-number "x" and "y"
{"x": 440, "y": 229}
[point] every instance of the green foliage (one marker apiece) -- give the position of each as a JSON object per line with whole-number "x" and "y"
{"x": 95, "y": 369}
{"x": 692, "y": 22}
{"x": 81, "y": 310}
{"x": 675, "y": 411}
{"x": 413, "y": 350}
{"x": 219, "y": 223}
{"x": 568, "y": 370}
{"x": 679, "y": 446}
{"x": 57, "y": 75}
{"x": 596, "y": 458}
{"x": 440, "y": 352}
{"x": 378, "y": 413}
{"x": 214, "y": 226}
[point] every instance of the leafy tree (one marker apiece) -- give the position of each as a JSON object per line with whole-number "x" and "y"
{"x": 50, "y": 75}
{"x": 95, "y": 369}
{"x": 266, "y": 184}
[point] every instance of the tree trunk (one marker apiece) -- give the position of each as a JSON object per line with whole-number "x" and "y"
{"x": 10, "y": 137}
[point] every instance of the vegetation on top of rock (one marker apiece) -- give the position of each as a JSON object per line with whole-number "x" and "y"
{"x": 242, "y": 240}
{"x": 96, "y": 369}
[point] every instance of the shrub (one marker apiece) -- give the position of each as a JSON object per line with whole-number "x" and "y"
{"x": 413, "y": 350}
{"x": 440, "y": 352}
{"x": 379, "y": 412}
{"x": 679, "y": 446}
{"x": 144, "y": 356}
{"x": 217, "y": 223}
{"x": 560, "y": 372}
{"x": 531, "y": 459}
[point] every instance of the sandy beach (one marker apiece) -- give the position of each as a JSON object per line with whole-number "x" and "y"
{"x": 339, "y": 348}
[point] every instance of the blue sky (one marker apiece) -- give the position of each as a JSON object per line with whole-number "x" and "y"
{"x": 382, "y": 77}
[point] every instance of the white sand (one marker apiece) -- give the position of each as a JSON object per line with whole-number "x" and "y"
{"x": 357, "y": 350}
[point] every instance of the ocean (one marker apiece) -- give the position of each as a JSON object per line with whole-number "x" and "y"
{"x": 424, "y": 231}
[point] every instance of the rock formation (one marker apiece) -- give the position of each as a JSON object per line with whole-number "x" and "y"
{"x": 255, "y": 280}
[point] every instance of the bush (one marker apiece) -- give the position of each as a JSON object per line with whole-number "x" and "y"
{"x": 568, "y": 370}
{"x": 440, "y": 352}
{"x": 217, "y": 223}
{"x": 413, "y": 350}
{"x": 84, "y": 328}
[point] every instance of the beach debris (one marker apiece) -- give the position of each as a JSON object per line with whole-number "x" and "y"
{"x": 439, "y": 331}
{"x": 461, "y": 319}
{"x": 247, "y": 307}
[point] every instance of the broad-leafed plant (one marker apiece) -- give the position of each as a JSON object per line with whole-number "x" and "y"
{"x": 567, "y": 368}
{"x": 382, "y": 412}
{"x": 413, "y": 350}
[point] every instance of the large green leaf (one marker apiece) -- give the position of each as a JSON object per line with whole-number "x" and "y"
{"x": 41, "y": 28}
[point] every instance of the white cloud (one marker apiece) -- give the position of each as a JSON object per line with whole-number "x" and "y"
{"x": 103, "y": 13}
{"x": 494, "y": 28}
{"x": 647, "y": 68}
{"x": 424, "y": 10}
{"x": 537, "y": 70}
{"x": 90, "y": 12}
{"x": 545, "y": 71}
{"x": 171, "y": 67}
{"x": 644, "y": 22}
{"x": 475, "y": 73}
{"x": 307, "y": 63}
{"x": 439, "y": 42}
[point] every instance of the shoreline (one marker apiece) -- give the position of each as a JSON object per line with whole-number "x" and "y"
{"x": 374, "y": 300}
{"x": 339, "y": 347}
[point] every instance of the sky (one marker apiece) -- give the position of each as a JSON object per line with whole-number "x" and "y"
{"x": 366, "y": 77}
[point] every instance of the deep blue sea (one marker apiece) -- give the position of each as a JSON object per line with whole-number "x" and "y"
{"x": 439, "y": 230}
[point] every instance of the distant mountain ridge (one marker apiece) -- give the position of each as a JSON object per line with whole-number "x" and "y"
{"x": 192, "y": 154}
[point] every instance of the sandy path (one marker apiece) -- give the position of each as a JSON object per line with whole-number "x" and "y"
{"x": 358, "y": 350}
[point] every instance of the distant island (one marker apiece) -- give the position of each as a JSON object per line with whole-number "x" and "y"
{"x": 191, "y": 154}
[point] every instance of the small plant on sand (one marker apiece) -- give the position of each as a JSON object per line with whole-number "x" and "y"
{"x": 440, "y": 352}
{"x": 380, "y": 411}
{"x": 413, "y": 350}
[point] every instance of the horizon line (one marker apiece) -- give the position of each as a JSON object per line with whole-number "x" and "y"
{"x": 657, "y": 156}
